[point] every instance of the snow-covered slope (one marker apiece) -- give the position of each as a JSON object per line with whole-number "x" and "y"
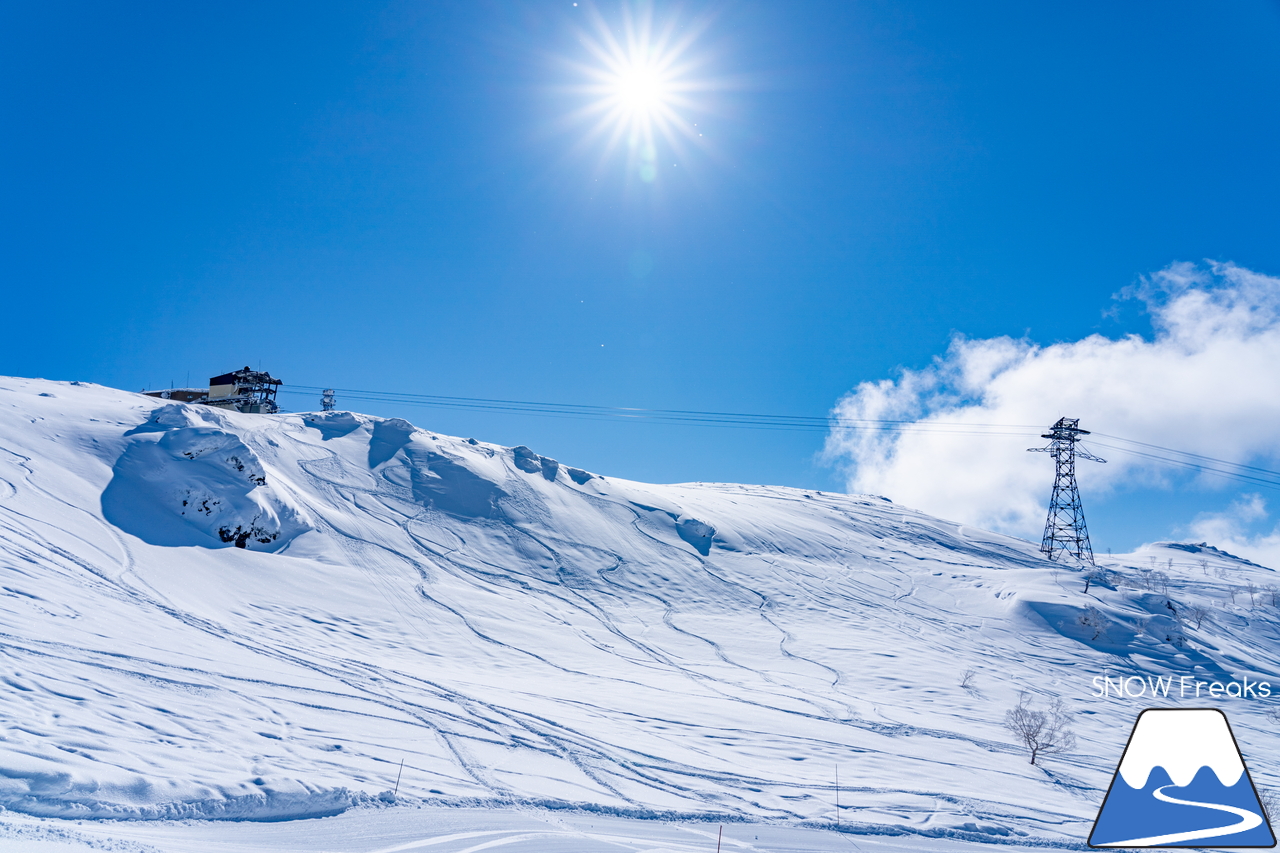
{"x": 519, "y": 631}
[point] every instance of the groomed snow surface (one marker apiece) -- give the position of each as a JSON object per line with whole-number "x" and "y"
{"x": 212, "y": 620}
{"x": 403, "y": 830}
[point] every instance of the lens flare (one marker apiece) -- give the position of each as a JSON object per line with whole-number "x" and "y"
{"x": 641, "y": 88}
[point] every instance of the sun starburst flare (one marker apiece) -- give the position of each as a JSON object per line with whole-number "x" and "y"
{"x": 641, "y": 87}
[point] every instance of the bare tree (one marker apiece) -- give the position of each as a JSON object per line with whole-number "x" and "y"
{"x": 1152, "y": 580}
{"x": 1098, "y": 575}
{"x": 1195, "y": 613}
{"x": 1041, "y": 732}
{"x": 1252, "y": 589}
{"x": 1204, "y": 567}
{"x": 966, "y": 680}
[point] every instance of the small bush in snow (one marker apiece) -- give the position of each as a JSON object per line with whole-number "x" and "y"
{"x": 1096, "y": 621}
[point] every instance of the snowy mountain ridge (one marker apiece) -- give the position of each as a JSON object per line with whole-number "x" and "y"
{"x": 212, "y": 614}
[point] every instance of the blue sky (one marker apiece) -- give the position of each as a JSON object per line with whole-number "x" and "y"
{"x": 397, "y": 196}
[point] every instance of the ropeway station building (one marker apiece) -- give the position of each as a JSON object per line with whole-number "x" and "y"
{"x": 245, "y": 390}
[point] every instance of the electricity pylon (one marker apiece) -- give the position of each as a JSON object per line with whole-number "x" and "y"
{"x": 1064, "y": 529}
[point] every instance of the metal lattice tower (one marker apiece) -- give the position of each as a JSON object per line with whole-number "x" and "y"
{"x": 328, "y": 400}
{"x": 1064, "y": 529}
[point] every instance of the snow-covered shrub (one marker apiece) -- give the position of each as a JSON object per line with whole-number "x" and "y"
{"x": 1095, "y": 621}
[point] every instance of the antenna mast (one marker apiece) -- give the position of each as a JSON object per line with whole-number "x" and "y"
{"x": 1064, "y": 529}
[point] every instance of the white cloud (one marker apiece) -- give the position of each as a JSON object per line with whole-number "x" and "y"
{"x": 1208, "y": 382}
{"x": 1229, "y": 530}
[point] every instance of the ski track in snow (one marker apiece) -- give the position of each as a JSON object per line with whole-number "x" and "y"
{"x": 561, "y": 644}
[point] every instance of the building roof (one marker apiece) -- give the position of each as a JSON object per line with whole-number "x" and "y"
{"x": 246, "y": 376}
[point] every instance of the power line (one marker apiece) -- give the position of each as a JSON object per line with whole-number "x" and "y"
{"x": 1271, "y": 479}
{"x": 1250, "y": 474}
{"x": 1187, "y": 453}
{"x": 677, "y": 416}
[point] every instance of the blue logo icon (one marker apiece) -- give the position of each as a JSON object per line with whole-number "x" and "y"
{"x": 1181, "y": 783}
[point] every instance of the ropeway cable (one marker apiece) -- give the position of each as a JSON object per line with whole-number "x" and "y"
{"x": 1241, "y": 472}
{"x": 676, "y": 416}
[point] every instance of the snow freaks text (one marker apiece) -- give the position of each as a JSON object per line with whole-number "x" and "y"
{"x": 1180, "y": 687}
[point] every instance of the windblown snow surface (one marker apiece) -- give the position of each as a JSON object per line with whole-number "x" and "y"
{"x": 242, "y": 617}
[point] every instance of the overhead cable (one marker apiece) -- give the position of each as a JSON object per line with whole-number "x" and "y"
{"x": 675, "y": 416}
{"x": 1251, "y": 474}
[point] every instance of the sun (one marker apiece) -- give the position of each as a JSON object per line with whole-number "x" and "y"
{"x": 640, "y": 91}
{"x": 641, "y": 86}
